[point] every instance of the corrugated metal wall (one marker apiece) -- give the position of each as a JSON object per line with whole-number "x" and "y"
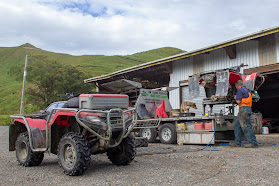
{"x": 246, "y": 53}
{"x": 181, "y": 70}
{"x": 198, "y": 64}
{"x": 267, "y": 50}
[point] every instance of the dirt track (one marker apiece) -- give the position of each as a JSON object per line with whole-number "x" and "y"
{"x": 157, "y": 164}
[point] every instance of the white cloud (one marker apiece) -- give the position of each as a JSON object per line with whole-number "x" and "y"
{"x": 123, "y": 27}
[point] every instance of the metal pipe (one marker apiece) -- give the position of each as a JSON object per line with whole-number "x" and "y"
{"x": 23, "y": 85}
{"x": 134, "y": 121}
{"x": 97, "y": 87}
{"x": 85, "y": 126}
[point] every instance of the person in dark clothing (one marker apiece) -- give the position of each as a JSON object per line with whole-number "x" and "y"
{"x": 242, "y": 125}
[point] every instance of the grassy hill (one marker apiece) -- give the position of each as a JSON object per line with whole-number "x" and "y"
{"x": 92, "y": 65}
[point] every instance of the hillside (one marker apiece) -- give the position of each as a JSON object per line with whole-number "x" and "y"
{"x": 92, "y": 65}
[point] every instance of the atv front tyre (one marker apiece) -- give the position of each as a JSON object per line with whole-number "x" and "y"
{"x": 24, "y": 154}
{"x": 124, "y": 153}
{"x": 73, "y": 154}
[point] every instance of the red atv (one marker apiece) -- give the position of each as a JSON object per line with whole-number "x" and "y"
{"x": 91, "y": 124}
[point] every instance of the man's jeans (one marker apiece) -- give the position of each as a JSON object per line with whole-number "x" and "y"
{"x": 243, "y": 125}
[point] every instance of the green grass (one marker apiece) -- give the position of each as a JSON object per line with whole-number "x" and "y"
{"x": 5, "y": 120}
{"x": 91, "y": 65}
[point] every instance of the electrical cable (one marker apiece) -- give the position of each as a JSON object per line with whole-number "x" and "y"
{"x": 211, "y": 148}
{"x": 243, "y": 143}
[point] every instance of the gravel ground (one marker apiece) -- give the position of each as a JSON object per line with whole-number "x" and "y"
{"x": 157, "y": 164}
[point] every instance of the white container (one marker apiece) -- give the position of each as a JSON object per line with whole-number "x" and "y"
{"x": 103, "y": 101}
{"x": 265, "y": 130}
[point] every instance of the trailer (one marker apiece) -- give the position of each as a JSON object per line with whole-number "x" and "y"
{"x": 188, "y": 130}
{"x": 157, "y": 119}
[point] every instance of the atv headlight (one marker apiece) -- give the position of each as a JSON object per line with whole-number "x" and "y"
{"x": 94, "y": 118}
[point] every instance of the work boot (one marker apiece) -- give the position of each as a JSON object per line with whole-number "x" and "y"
{"x": 251, "y": 146}
{"x": 234, "y": 145}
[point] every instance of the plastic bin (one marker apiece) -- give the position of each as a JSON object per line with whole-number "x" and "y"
{"x": 199, "y": 126}
{"x": 208, "y": 125}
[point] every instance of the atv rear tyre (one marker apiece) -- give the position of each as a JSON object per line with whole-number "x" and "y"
{"x": 149, "y": 133}
{"x": 124, "y": 153}
{"x": 24, "y": 154}
{"x": 73, "y": 154}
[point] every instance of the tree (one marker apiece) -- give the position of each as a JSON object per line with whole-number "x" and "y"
{"x": 50, "y": 78}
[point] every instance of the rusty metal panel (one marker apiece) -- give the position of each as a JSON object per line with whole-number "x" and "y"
{"x": 267, "y": 50}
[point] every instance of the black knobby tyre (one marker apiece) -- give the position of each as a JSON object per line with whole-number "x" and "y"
{"x": 124, "y": 153}
{"x": 24, "y": 154}
{"x": 149, "y": 133}
{"x": 167, "y": 133}
{"x": 73, "y": 154}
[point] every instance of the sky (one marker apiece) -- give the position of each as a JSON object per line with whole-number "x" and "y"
{"x": 123, "y": 27}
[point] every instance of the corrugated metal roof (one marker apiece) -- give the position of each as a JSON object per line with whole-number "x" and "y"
{"x": 188, "y": 54}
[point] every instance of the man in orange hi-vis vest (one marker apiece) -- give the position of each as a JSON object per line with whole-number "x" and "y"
{"x": 242, "y": 125}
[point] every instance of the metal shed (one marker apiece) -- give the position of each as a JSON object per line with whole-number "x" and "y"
{"x": 259, "y": 50}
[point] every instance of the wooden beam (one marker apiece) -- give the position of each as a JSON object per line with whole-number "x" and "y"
{"x": 180, "y": 96}
{"x": 182, "y": 82}
{"x": 231, "y": 51}
{"x": 168, "y": 67}
{"x": 262, "y": 69}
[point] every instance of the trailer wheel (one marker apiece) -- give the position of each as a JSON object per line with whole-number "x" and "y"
{"x": 73, "y": 154}
{"x": 124, "y": 153}
{"x": 24, "y": 154}
{"x": 149, "y": 133}
{"x": 167, "y": 133}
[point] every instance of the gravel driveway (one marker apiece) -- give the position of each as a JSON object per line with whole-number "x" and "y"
{"x": 157, "y": 164}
